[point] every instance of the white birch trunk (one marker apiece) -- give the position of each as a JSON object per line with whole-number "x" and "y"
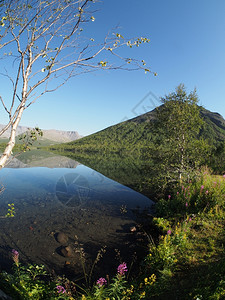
{"x": 8, "y": 150}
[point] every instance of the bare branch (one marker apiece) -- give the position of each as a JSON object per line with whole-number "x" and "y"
{"x": 4, "y": 105}
{"x": 45, "y": 43}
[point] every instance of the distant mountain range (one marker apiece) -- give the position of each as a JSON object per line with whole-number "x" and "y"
{"x": 51, "y": 136}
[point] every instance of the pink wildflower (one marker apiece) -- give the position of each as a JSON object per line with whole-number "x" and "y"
{"x": 186, "y": 204}
{"x": 122, "y": 268}
{"x": 169, "y": 232}
{"x": 60, "y": 289}
{"x": 202, "y": 187}
{"x": 101, "y": 281}
{"x": 15, "y": 256}
{"x": 169, "y": 196}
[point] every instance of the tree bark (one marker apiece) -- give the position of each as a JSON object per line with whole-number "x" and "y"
{"x": 8, "y": 150}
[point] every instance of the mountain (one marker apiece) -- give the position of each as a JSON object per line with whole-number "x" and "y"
{"x": 49, "y": 136}
{"x": 61, "y": 136}
{"x": 20, "y": 130}
{"x": 135, "y": 134}
{"x": 214, "y": 125}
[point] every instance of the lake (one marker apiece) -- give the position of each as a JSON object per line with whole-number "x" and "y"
{"x": 54, "y": 194}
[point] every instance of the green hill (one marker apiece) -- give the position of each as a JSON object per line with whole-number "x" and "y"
{"x": 129, "y": 136}
{"x": 214, "y": 125}
{"x": 133, "y": 136}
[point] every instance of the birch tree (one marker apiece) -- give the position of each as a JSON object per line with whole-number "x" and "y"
{"x": 43, "y": 45}
{"x": 179, "y": 149}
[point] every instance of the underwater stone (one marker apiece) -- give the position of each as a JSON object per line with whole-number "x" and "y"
{"x": 62, "y": 238}
{"x": 67, "y": 251}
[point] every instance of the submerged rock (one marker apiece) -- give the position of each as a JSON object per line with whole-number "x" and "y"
{"x": 133, "y": 229}
{"x": 67, "y": 251}
{"x": 61, "y": 238}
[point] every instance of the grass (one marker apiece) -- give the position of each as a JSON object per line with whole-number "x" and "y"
{"x": 189, "y": 259}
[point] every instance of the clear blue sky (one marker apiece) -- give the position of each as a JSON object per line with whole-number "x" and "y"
{"x": 187, "y": 45}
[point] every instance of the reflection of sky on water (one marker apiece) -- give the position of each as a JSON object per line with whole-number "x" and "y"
{"x": 25, "y": 182}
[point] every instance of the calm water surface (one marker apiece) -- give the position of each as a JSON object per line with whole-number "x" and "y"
{"x": 56, "y": 194}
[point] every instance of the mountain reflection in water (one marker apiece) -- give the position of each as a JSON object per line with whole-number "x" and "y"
{"x": 55, "y": 194}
